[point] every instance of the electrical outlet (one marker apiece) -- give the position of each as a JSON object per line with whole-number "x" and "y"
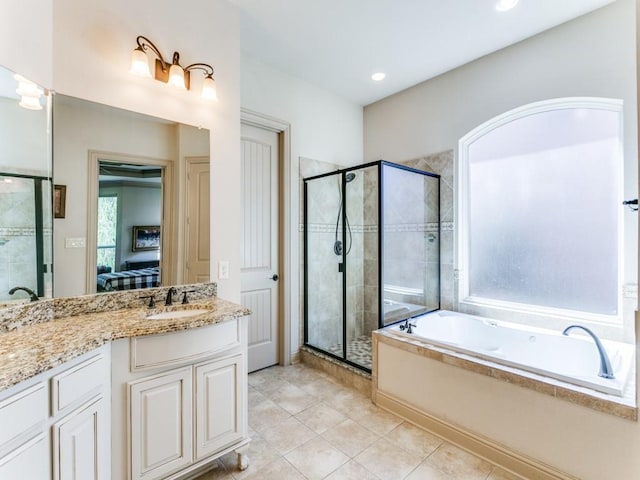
{"x": 79, "y": 242}
{"x": 223, "y": 269}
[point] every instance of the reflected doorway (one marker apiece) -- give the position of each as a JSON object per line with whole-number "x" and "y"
{"x": 127, "y": 248}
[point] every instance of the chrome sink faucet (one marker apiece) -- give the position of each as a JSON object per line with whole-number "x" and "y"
{"x": 605, "y": 365}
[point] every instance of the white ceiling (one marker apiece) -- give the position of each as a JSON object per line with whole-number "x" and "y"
{"x": 338, "y": 44}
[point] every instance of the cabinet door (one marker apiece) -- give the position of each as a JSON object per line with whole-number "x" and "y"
{"x": 161, "y": 424}
{"x": 219, "y": 405}
{"x": 81, "y": 444}
{"x": 30, "y": 460}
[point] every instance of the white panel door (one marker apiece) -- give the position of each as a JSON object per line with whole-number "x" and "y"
{"x": 81, "y": 444}
{"x": 197, "y": 241}
{"x": 219, "y": 412}
{"x": 259, "y": 254}
{"x": 161, "y": 424}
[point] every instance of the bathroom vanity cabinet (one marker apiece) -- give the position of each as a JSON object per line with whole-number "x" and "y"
{"x": 179, "y": 401}
{"x": 56, "y": 425}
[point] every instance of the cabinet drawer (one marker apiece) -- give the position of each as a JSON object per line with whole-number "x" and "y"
{"x": 180, "y": 347}
{"x": 22, "y": 412}
{"x": 78, "y": 382}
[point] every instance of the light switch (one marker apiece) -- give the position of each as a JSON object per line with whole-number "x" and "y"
{"x": 79, "y": 242}
{"x": 223, "y": 269}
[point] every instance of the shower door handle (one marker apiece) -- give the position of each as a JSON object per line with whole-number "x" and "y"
{"x": 274, "y": 277}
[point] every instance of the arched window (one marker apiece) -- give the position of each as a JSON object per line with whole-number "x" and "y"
{"x": 540, "y": 210}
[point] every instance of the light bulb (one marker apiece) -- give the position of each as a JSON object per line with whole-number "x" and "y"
{"x": 30, "y": 103}
{"x": 209, "y": 88}
{"x": 139, "y": 63}
{"x": 176, "y": 76}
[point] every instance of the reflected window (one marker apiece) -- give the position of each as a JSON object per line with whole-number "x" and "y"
{"x": 540, "y": 197}
{"x": 107, "y": 233}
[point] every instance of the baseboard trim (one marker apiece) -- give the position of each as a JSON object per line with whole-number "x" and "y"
{"x": 515, "y": 463}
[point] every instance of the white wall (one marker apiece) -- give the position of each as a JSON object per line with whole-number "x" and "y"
{"x": 323, "y": 127}
{"x": 92, "y": 45}
{"x": 25, "y": 39}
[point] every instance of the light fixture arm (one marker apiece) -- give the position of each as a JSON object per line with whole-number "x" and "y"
{"x": 145, "y": 44}
{"x": 206, "y": 68}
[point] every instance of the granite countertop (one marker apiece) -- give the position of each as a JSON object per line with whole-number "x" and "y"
{"x": 37, "y": 347}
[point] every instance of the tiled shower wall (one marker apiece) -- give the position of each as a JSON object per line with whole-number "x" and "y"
{"x": 442, "y": 164}
{"x": 17, "y": 237}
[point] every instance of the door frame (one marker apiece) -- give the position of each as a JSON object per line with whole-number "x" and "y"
{"x": 285, "y": 297}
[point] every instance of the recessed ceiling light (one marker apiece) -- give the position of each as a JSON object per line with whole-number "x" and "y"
{"x": 505, "y": 5}
{"x": 378, "y": 76}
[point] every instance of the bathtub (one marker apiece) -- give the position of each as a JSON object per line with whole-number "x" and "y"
{"x": 573, "y": 359}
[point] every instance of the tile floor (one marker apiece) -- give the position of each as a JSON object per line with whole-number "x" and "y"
{"x": 304, "y": 425}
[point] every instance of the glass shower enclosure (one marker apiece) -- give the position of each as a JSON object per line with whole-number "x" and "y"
{"x": 371, "y": 255}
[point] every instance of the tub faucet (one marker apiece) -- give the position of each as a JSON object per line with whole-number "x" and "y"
{"x": 605, "y": 365}
{"x": 407, "y": 326}
{"x": 32, "y": 294}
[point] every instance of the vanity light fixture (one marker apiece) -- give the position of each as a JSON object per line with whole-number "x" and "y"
{"x": 172, "y": 73}
{"x": 29, "y": 92}
{"x": 506, "y": 5}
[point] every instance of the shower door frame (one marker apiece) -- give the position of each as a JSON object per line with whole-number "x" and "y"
{"x": 380, "y": 264}
{"x": 38, "y": 224}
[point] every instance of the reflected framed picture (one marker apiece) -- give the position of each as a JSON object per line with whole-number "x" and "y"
{"x": 59, "y": 201}
{"x": 146, "y": 238}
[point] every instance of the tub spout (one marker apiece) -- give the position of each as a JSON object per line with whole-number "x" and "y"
{"x": 605, "y": 365}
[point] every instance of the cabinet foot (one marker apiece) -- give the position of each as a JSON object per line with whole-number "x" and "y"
{"x": 243, "y": 459}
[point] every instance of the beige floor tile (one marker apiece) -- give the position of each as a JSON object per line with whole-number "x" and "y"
{"x": 279, "y": 469}
{"x": 320, "y": 417}
{"x": 428, "y": 472}
{"x": 266, "y": 415}
{"x": 499, "y": 474}
{"x": 387, "y": 461}
{"x": 459, "y": 464}
{"x": 288, "y": 435}
{"x": 376, "y": 419}
{"x": 219, "y": 472}
{"x": 260, "y": 454}
{"x": 350, "y": 437}
{"x": 273, "y": 385}
{"x": 292, "y": 399}
{"x": 352, "y": 471}
{"x": 414, "y": 439}
{"x": 316, "y": 459}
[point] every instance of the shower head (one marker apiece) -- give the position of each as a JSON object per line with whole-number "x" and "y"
{"x": 349, "y": 176}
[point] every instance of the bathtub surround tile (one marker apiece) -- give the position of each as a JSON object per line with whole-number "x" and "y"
{"x": 316, "y": 459}
{"x": 555, "y": 388}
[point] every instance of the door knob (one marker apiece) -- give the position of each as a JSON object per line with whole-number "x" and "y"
{"x": 274, "y": 277}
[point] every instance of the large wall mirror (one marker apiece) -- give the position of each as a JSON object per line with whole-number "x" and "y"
{"x": 137, "y": 199}
{"x": 25, "y": 190}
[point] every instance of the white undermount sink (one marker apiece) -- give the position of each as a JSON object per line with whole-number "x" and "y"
{"x": 177, "y": 314}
